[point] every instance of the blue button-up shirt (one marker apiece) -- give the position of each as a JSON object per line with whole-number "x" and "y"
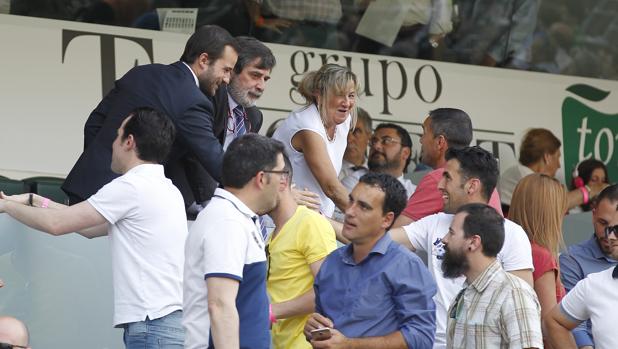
{"x": 390, "y": 290}
{"x": 579, "y": 261}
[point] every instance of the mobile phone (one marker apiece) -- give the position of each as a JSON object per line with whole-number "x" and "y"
{"x": 321, "y": 334}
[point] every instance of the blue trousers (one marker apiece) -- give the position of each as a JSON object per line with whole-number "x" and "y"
{"x": 162, "y": 333}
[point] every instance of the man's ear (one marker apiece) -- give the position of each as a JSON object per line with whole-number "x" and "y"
{"x": 203, "y": 60}
{"x": 473, "y": 185}
{"x": 388, "y": 219}
{"x": 405, "y": 153}
{"x": 129, "y": 142}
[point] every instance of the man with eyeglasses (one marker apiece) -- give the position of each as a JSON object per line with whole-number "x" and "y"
{"x": 225, "y": 300}
{"x": 593, "y": 299}
{"x": 592, "y": 256}
{"x": 295, "y": 250}
{"x": 390, "y": 152}
{"x": 13, "y": 333}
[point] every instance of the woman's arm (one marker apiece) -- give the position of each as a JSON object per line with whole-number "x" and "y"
{"x": 314, "y": 150}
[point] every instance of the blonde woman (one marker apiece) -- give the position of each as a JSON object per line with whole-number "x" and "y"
{"x": 315, "y": 136}
{"x": 539, "y": 203}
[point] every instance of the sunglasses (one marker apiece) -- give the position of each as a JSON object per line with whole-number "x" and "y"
{"x": 10, "y": 346}
{"x": 612, "y": 229}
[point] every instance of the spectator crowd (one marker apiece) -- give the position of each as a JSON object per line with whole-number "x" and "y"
{"x": 308, "y": 239}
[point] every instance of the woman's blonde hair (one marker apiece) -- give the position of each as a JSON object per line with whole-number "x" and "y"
{"x": 329, "y": 79}
{"x": 538, "y": 205}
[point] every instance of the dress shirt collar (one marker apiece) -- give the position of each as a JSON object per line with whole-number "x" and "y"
{"x": 232, "y": 103}
{"x": 380, "y": 247}
{"x": 197, "y": 82}
{"x": 483, "y": 280}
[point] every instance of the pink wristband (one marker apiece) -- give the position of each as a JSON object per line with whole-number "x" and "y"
{"x": 271, "y": 316}
{"x": 585, "y": 194}
{"x": 45, "y": 203}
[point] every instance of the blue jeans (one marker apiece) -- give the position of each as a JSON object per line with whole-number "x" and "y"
{"x": 161, "y": 333}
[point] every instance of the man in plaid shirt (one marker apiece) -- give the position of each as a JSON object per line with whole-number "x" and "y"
{"x": 494, "y": 309}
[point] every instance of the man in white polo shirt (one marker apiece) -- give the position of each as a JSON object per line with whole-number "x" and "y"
{"x": 594, "y": 298}
{"x": 225, "y": 300}
{"x": 470, "y": 176}
{"x": 142, "y": 212}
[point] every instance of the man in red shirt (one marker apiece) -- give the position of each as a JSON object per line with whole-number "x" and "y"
{"x": 444, "y": 128}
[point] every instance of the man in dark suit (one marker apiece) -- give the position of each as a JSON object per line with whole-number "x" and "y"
{"x": 234, "y": 104}
{"x": 179, "y": 90}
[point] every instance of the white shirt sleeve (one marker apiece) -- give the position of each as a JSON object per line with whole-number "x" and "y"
{"x": 115, "y": 200}
{"x": 574, "y": 302}
{"x": 225, "y": 250}
{"x": 516, "y": 253}
{"x": 420, "y": 232}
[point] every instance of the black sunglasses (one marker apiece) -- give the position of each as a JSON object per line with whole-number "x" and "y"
{"x": 10, "y": 346}
{"x": 612, "y": 229}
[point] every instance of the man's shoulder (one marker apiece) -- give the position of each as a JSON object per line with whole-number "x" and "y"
{"x": 580, "y": 249}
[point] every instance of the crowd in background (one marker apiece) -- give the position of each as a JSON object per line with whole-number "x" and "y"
{"x": 560, "y": 36}
{"x": 177, "y": 141}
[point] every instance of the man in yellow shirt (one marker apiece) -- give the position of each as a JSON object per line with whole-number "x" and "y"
{"x": 296, "y": 248}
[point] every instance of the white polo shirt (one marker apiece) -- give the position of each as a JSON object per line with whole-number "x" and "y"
{"x": 596, "y": 298}
{"x": 148, "y": 228}
{"x": 426, "y": 235}
{"x": 225, "y": 241}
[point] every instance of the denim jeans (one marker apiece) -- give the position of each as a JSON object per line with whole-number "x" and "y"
{"x": 161, "y": 333}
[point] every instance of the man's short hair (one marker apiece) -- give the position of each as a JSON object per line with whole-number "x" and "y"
{"x": 395, "y": 197}
{"x": 454, "y": 124}
{"x": 536, "y": 143}
{"x": 406, "y": 141}
{"x": 287, "y": 166}
{"x": 484, "y": 221}
{"x": 364, "y": 118}
{"x": 153, "y": 132}
{"x": 248, "y": 155}
{"x": 476, "y": 162}
{"x": 249, "y": 49}
{"x": 209, "y": 39}
{"x": 610, "y": 193}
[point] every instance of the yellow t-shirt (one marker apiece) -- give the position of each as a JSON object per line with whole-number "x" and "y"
{"x": 306, "y": 237}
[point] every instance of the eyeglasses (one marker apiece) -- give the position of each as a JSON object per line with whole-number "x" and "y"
{"x": 612, "y": 229}
{"x": 384, "y": 141}
{"x": 284, "y": 175}
{"x": 10, "y": 346}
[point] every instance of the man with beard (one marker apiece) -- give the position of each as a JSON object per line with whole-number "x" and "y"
{"x": 235, "y": 111}
{"x": 225, "y": 261}
{"x": 495, "y": 309}
{"x": 593, "y": 255}
{"x": 373, "y": 293}
{"x": 179, "y": 90}
{"x": 235, "y": 103}
{"x": 469, "y": 176}
{"x": 443, "y": 129}
{"x": 390, "y": 153}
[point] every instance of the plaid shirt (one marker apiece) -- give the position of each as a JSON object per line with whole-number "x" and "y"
{"x": 497, "y": 310}
{"x": 328, "y": 11}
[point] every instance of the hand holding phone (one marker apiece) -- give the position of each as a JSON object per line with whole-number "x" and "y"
{"x": 321, "y": 334}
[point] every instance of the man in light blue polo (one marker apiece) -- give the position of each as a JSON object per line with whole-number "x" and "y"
{"x": 593, "y": 255}
{"x": 374, "y": 292}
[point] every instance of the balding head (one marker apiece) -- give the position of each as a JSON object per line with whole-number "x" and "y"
{"x": 13, "y": 331}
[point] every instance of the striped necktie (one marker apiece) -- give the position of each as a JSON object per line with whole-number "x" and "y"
{"x": 239, "y": 122}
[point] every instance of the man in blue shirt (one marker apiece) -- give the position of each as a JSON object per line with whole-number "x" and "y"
{"x": 591, "y": 256}
{"x": 373, "y": 293}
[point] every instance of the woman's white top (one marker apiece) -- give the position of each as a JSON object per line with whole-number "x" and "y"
{"x": 308, "y": 118}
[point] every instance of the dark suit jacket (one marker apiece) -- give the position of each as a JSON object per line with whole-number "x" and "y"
{"x": 168, "y": 88}
{"x": 202, "y": 184}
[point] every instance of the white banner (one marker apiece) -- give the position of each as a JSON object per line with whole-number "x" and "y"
{"x": 53, "y": 73}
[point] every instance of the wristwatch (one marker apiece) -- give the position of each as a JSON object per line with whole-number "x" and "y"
{"x": 433, "y": 43}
